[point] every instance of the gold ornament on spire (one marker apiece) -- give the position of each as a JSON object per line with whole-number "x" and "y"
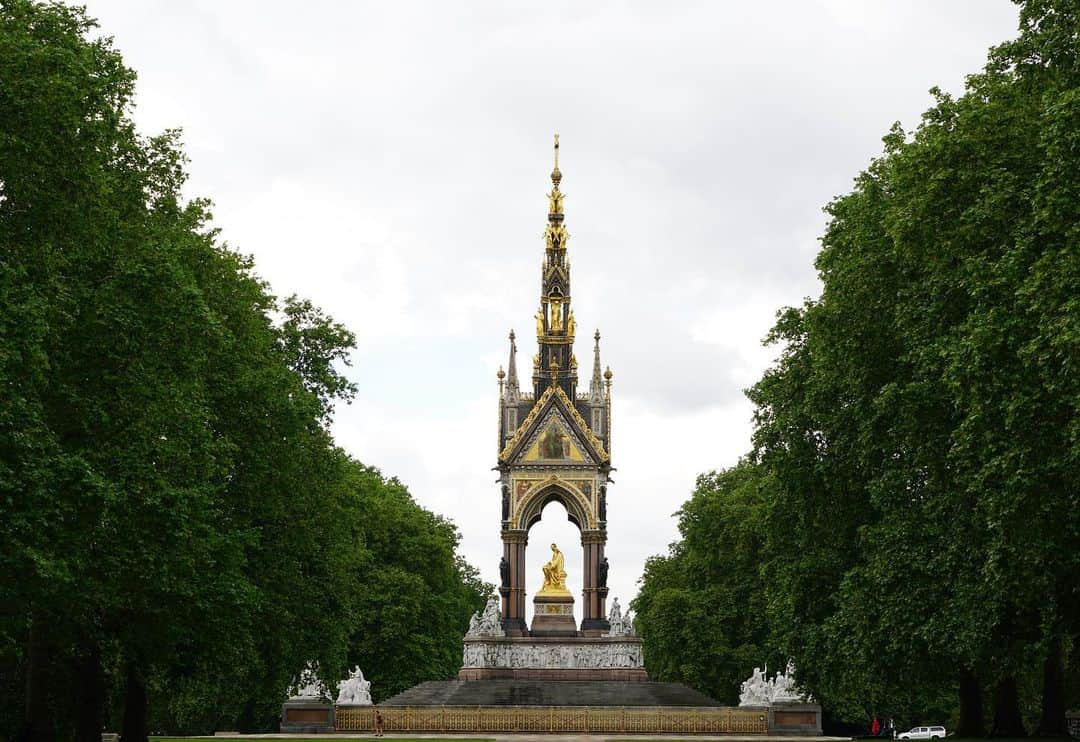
{"x": 556, "y": 176}
{"x": 556, "y": 236}
{"x": 556, "y": 198}
{"x": 555, "y": 209}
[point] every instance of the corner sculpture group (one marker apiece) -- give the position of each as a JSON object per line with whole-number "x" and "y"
{"x": 758, "y": 690}
{"x": 352, "y": 691}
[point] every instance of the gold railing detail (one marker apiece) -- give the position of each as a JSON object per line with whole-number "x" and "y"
{"x": 556, "y": 719}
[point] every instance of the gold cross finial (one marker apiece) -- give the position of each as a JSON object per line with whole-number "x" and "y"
{"x": 556, "y": 176}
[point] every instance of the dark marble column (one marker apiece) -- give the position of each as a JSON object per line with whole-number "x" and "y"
{"x": 594, "y": 615}
{"x": 513, "y": 589}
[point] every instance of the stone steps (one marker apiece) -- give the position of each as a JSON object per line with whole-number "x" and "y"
{"x": 548, "y": 693}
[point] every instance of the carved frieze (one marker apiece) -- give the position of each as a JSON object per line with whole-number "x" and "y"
{"x": 554, "y": 656}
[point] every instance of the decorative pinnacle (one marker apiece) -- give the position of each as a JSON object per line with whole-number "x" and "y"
{"x": 500, "y": 374}
{"x": 608, "y": 374}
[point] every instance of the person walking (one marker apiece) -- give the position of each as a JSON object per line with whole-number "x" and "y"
{"x": 378, "y": 723}
{"x": 875, "y": 726}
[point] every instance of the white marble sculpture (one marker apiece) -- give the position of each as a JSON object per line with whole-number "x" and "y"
{"x": 758, "y": 690}
{"x": 783, "y": 687}
{"x": 755, "y": 690}
{"x": 308, "y": 685}
{"x": 487, "y": 624}
{"x": 354, "y": 690}
{"x": 620, "y": 625}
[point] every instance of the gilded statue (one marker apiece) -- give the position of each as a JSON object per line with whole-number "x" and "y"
{"x": 540, "y": 322}
{"x": 556, "y": 201}
{"x": 571, "y": 325}
{"x": 556, "y": 315}
{"x": 555, "y": 574}
{"x": 556, "y": 236}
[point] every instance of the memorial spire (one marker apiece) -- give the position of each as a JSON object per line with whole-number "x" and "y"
{"x": 555, "y": 324}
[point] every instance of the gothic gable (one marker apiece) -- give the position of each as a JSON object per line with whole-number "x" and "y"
{"x": 553, "y": 441}
{"x": 554, "y": 433}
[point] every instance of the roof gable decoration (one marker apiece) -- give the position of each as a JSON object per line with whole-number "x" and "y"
{"x": 553, "y": 441}
{"x": 549, "y": 441}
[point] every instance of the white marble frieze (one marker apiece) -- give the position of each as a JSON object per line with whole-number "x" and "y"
{"x": 623, "y": 655}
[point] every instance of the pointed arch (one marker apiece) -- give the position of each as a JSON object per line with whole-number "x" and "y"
{"x": 578, "y": 508}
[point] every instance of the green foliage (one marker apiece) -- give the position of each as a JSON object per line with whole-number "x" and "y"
{"x": 701, "y": 608}
{"x": 919, "y": 435}
{"x": 177, "y": 520}
{"x": 415, "y": 594}
{"x": 922, "y": 422}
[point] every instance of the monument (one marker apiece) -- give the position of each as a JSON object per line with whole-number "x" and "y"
{"x": 554, "y": 445}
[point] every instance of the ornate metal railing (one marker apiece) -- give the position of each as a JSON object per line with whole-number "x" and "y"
{"x": 555, "y": 719}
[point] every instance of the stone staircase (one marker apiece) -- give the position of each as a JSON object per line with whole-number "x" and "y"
{"x": 548, "y": 693}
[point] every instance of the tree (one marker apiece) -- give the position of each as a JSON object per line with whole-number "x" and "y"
{"x": 921, "y": 424}
{"x": 415, "y": 593}
{"x": 180, "y": 533}
{"x": 701, "y": 608}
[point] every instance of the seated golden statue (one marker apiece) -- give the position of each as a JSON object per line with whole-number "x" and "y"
{"x": 554, "y": 574}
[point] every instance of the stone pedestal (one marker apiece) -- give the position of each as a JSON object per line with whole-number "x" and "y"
{"x": 795, "y": 719}
{"x": 307, "y": 715}
{"x": 553, "y": 615}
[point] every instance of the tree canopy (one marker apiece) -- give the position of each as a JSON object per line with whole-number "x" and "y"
{"x": 180, "y": 532}
{"x": 920, "y": 430}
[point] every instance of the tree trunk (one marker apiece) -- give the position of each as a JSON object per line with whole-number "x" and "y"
{"x": 1052, "y": 723}
{"x": 90, "y": 698}
{"x": 134, "y": 729}
{"x": 37, "y": 724}
{"x": 971, "y": 723}
{"x": 1007, "y": 721}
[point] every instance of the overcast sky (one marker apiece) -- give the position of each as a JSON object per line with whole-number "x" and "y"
{"x": 389, "y": 161}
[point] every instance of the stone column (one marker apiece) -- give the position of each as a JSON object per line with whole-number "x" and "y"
{"x": 594, "y": 616}
{"x": 513, "y": 594}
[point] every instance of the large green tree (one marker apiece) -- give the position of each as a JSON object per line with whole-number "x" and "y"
{"x": 919, "y": 531}
{"x": 415, "y": 593}
{"x": 922, "y": 423}
{"x": 701, "y": 608}
{"x": 180, "y": 533}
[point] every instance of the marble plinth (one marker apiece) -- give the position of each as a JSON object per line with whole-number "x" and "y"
{"x": 553, "y": 615}
{"x": 795, "y": 718}
{"x": 307, "y": 715}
